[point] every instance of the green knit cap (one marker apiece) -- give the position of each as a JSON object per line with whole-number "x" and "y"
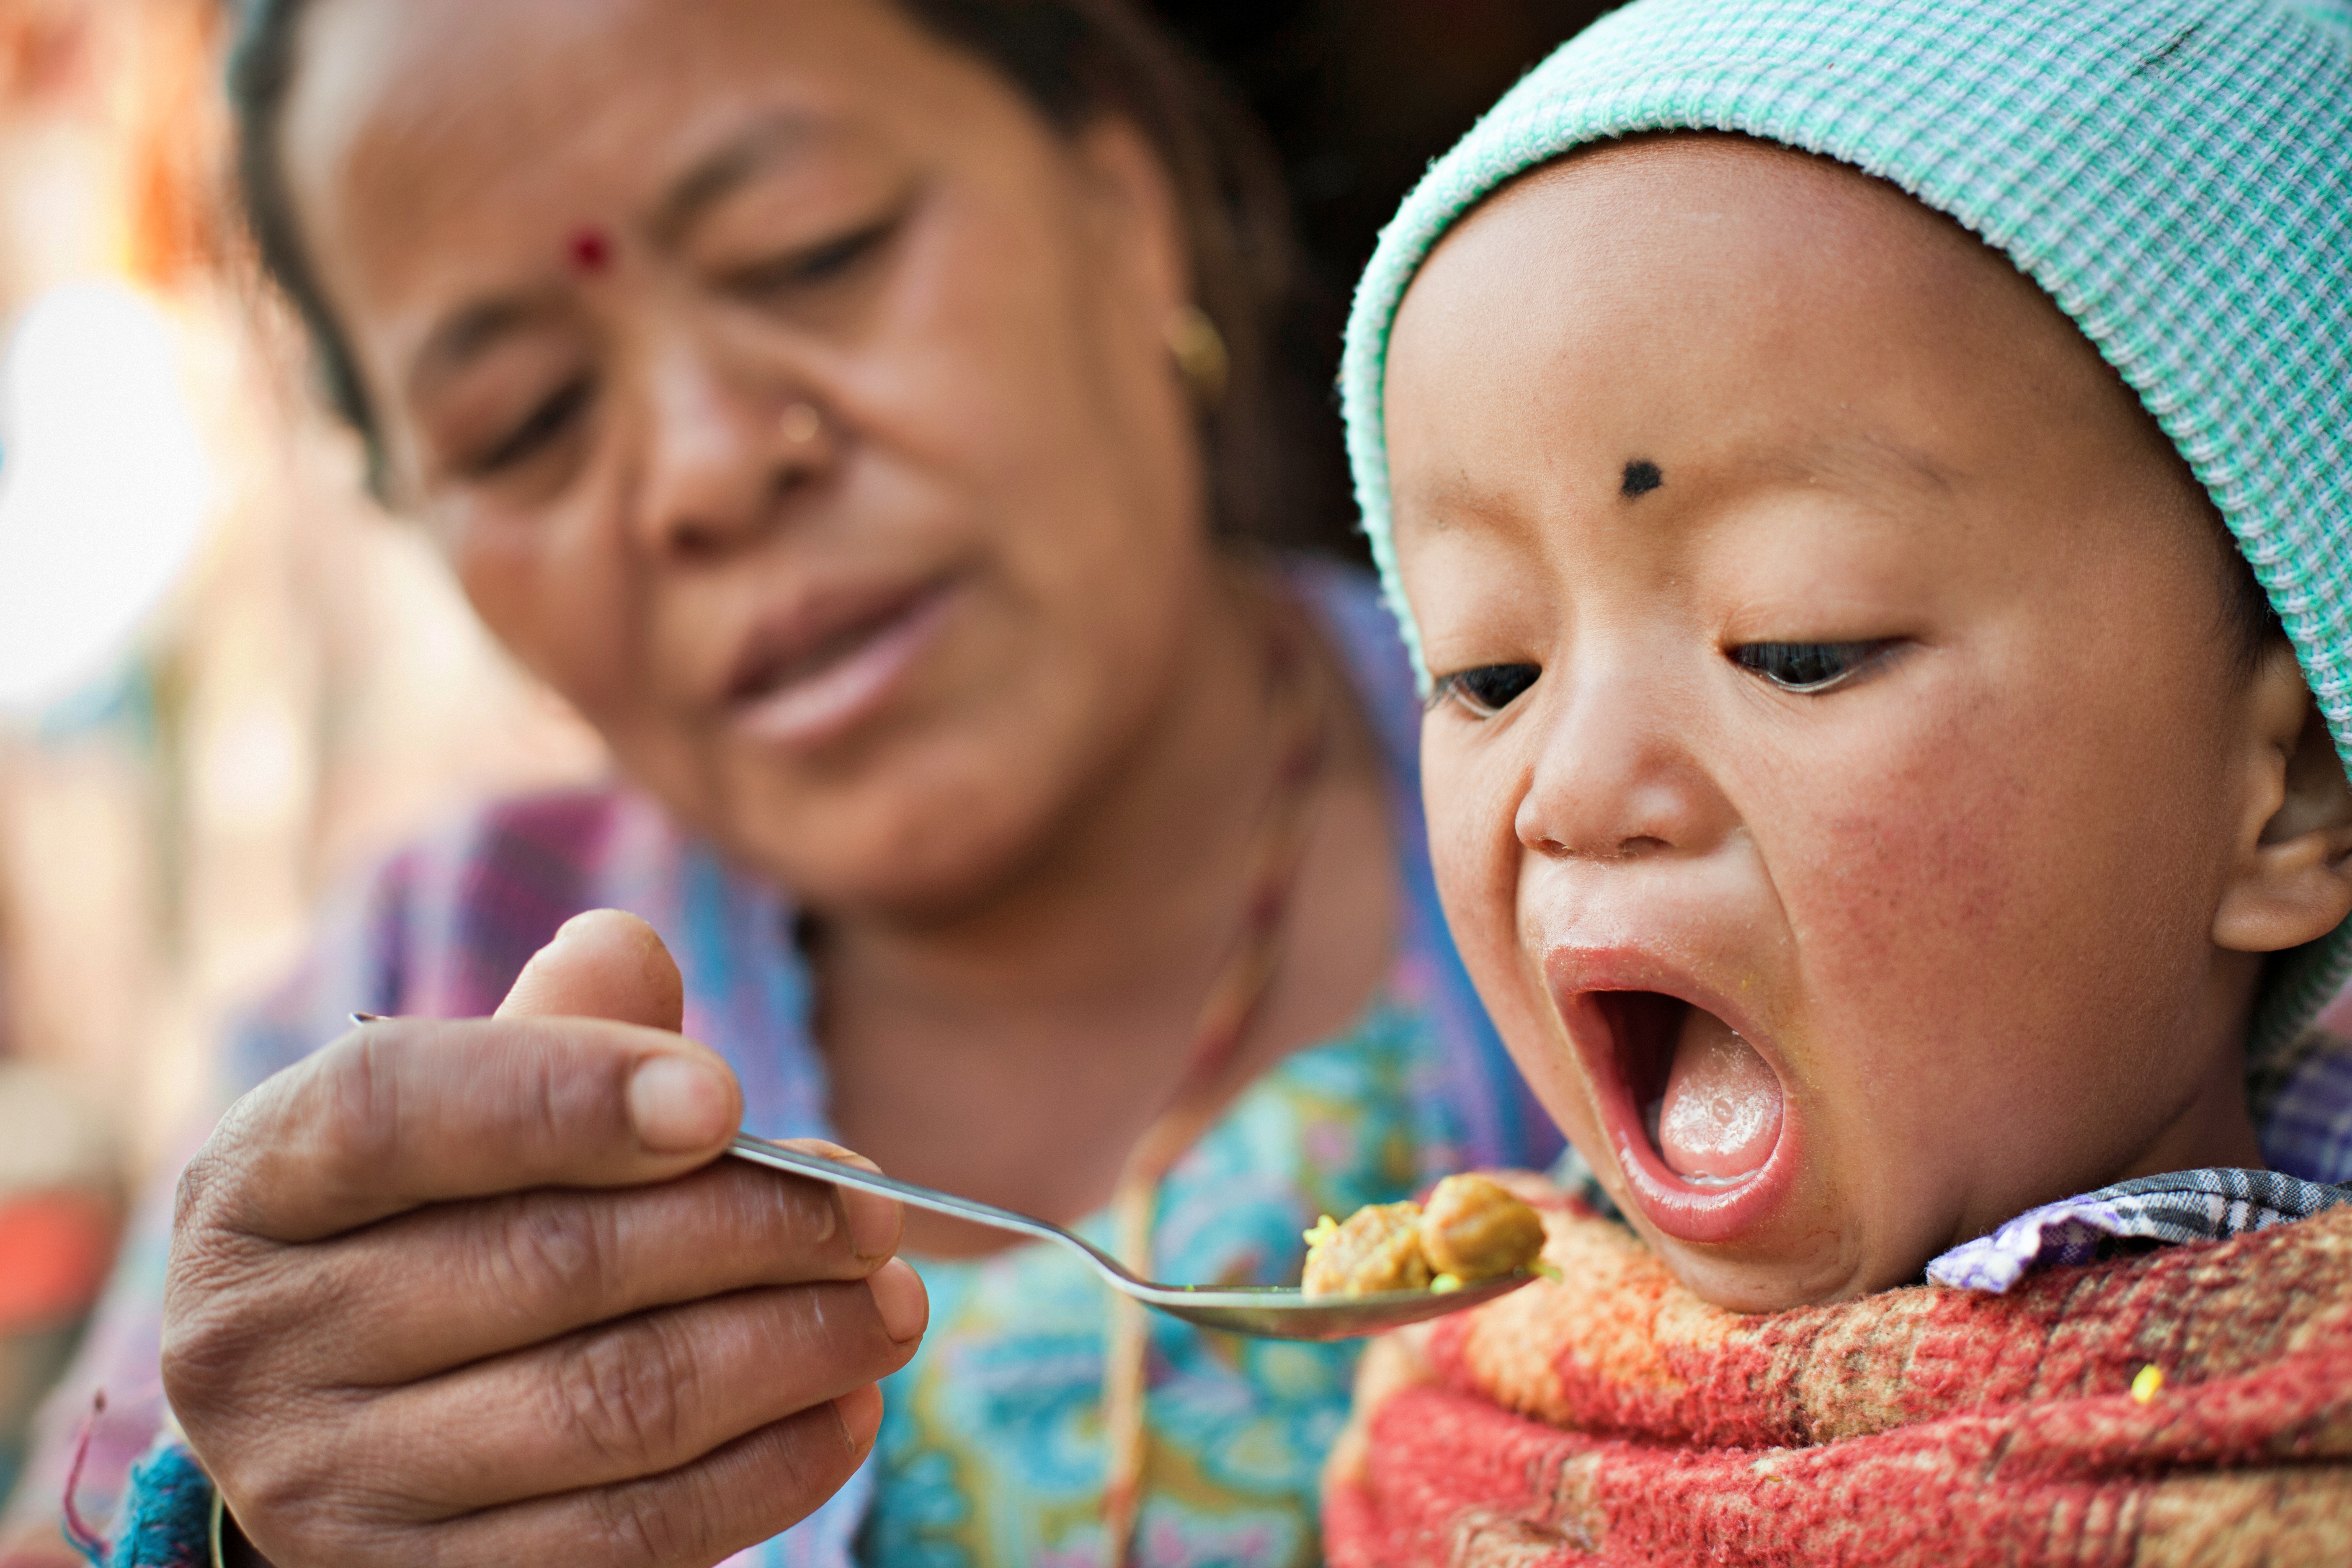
{"x": 2177, "y": 175}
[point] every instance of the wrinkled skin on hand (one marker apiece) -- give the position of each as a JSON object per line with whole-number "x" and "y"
{"x": 484, "y": 1292}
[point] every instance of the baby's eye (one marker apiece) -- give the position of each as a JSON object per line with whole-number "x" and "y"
{"x": 1808, "y": 666}
{"x": 1489, "y": 688}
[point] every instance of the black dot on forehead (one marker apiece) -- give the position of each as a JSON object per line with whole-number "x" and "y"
{"x": 1642, "y": 477}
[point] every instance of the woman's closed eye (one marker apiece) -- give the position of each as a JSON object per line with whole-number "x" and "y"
{"x": 811, "y": 267}
{"x": 1489, "y": 688}
{"x": 1809, "y": 668}
{"x": 540, "y": 428}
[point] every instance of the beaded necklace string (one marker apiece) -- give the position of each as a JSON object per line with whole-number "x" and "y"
{"x": 1216, "y": 1071}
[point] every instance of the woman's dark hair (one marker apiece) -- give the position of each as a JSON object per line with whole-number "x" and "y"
{"x": 1073, "y": 60}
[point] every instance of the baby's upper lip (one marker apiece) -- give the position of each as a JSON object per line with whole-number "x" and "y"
{"x": 1574, "y": 973}
{"x": 809, "y": 624}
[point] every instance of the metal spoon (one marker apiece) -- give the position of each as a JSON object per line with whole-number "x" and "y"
{"x": 1263, "y": 1312}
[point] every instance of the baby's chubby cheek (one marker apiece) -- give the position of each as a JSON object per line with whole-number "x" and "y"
{"x": 1475, "y": 855}
{"x": 1981, "y": 1034}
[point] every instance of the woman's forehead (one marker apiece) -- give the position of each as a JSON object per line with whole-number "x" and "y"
{"x": 436, "y": 147}
{"x": 407, "y": 113}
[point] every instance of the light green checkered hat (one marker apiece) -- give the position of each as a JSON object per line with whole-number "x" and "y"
{"x": 2176, "y": 174}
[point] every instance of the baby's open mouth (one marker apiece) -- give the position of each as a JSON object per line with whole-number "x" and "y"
{"x": 1692, "y": 1111}
{"x": 1709, "y": 1102}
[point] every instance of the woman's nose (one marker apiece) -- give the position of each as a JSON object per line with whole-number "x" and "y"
{"x": 724, "y": 452}
{"x": 1616, "y": 776}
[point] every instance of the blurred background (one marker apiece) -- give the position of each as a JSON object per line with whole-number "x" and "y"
{"x": 227, "y": 683}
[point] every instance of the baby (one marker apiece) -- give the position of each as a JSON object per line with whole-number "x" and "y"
{"x": 1817, "y": 448}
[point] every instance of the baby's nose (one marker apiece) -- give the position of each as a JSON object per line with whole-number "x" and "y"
{"x": 1614, "y": 779}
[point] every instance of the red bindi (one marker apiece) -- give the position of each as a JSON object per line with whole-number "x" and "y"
{"x": 591, "y": 250}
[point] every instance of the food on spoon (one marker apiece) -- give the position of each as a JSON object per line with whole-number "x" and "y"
{"x": 1472, "y": 1229}
{"x": 1377, "y": 1249}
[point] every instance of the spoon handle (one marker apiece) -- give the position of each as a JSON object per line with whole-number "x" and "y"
{"x": 841, "y": 1174}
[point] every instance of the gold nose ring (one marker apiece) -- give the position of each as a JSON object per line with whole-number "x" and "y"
{"x": 801, "y": 423}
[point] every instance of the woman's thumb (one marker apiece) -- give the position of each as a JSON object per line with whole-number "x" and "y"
{"x": 602, "y": 964}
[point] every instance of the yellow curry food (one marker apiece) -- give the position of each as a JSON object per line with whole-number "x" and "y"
{"x": 1471, "y": 1229}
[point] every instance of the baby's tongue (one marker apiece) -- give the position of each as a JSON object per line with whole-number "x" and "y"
{"x": 1721, "y": 1114}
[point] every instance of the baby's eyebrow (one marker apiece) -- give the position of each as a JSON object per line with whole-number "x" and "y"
{"x": 1864, "y": 457}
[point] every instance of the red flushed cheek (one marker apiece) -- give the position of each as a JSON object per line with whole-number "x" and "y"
{"x": 1922, "y": 908}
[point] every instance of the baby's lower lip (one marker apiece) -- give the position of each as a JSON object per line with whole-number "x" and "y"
{"x": 1703, "y": 1211}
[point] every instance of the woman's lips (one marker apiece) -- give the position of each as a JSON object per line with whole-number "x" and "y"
{"x": 1697, "y": 1114}
{"x": 809, "y": 684}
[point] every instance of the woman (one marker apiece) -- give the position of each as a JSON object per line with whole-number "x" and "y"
{"x": 838, "y": 402}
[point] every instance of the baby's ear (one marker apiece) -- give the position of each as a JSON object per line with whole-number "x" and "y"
{"x": 2293, "y": 877}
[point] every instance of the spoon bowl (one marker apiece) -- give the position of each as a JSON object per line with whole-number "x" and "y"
{"x": 1261, "y": 1311}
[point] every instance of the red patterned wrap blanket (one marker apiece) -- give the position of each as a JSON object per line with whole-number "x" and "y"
{"x": 1618, "y": 1419}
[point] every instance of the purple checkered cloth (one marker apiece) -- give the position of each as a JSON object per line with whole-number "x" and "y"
{"x": 2184, "y": 1206}
{"x": 2304, "y": 1118}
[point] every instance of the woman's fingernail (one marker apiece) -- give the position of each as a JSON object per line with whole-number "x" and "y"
{"x": 861, "y": 1416}
{"x": 900, "y": 1297}
{"x": 678, "y": 1105}
{"x": 874, "y": 1223}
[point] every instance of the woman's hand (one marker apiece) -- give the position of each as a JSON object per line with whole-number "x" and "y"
{"x": 476, "y": 1293}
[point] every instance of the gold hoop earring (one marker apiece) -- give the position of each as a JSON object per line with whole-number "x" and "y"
{"x": 1199, "y": 349}
{"x": 800, "y": 424}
